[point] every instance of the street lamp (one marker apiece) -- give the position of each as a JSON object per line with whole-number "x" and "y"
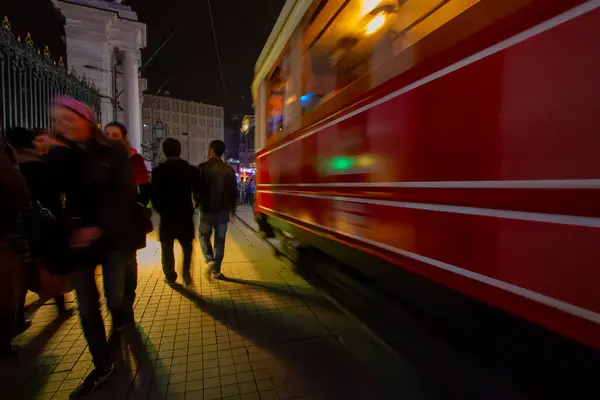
{"x": 152, "y": 145}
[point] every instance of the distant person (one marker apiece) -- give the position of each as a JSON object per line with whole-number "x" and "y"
{"x": 173, "y": 183}
{"x": 118, "y": 132}
{"x": 217, "y": 199}
{"x": 250, "y": 190}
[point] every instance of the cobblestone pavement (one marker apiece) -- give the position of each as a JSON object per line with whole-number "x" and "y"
{"x": 263, "y": 334}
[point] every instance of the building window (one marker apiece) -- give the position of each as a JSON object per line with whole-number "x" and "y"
{"x": 176, "y": 118}
{"x": 210, "y": 123}
{"x": 184, "y": 133}
{"x": 210, "y": 112}
{"x": 155, "y": 104}
{"x": 166, "y": 105}
{"x": 218, "y": 123}
{"x": 167, "y": 117}
{"x": 202, "y": 122}
{"x": 184, "y": 108}
{"x": 202, "y": 110}
{"x": 218, "y": 113}
{"x": 184, "y": 119}
{"x": 156, "y": 115}
{"x": 146, "y": 113}
{"x": 194, "y": 121}
{"x": 175, "y": 106}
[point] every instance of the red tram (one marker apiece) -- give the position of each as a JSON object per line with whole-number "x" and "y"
{"x": 454, "y": 140}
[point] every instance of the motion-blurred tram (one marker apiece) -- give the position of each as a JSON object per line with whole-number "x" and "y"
{"x": 441, "y": 146}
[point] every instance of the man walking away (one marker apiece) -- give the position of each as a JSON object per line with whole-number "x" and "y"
{"x": 118, "y": 132}
{"x": 217, "y": 198}
{"x": 173, "y": 183}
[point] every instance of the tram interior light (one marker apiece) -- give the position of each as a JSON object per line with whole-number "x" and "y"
{"x": 342, "y": 163}
{"x": 376, "y": 23}
{"x": 306, "y": 98}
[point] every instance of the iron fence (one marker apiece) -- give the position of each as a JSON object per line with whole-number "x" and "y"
{"x": 30, "y": 79}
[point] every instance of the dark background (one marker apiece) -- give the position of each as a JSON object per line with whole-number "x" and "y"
{"x": 242, "y": 28}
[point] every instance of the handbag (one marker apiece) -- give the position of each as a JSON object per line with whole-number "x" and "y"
{"x": 43, "y": 282}
{"x": 142, "y": 218}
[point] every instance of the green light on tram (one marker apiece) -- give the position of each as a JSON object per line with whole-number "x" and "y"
{"x": 342, "y": 163}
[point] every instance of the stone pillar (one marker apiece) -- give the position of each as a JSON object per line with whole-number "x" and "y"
{"x": 133, "y": 117}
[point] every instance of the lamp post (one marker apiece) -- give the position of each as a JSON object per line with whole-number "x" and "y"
{"x": 152, "y": 145}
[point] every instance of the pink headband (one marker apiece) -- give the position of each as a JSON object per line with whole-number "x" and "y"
{"x": 80, "y": 108}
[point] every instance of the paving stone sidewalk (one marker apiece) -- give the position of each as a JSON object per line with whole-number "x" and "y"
{"x": 262, "y": 334}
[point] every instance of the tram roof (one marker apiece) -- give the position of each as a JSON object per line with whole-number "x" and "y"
{"x": 292, "y": 13}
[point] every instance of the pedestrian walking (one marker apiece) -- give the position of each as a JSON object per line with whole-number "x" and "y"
{"x": 30, "y": 148}
{"x": 14, "y": 250}
{"x": 217, "y": 199}
{"x": 98, "y": 184}
{"x": 118, "y": 132}
{"x": 250, "y": 190}
{"x": 173, "y": 183}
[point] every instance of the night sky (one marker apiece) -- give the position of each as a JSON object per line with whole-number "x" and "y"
{"x": 242, "y": 28}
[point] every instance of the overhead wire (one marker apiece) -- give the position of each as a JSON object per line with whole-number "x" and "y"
{"x": 212, "y": 23}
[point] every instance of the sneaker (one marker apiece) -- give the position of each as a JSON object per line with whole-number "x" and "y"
{"x": 95, "y": 380}
{"x": 23, "y": 326}
{"x": 208, "y": 272}
{"x": 219, "y": 276}
{"x": 169, "y": 282}
{"x": 187, "y": 279}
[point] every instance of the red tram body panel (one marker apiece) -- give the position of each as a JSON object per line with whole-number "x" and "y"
{"x": 476, "y": 167}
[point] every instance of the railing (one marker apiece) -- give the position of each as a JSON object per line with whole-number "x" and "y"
{"x": 30, "y": 79}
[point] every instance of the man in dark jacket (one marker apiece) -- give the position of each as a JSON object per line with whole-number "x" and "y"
{"x": 173, "y": 183}
{"x": 217, "y": 198}
{"x": 97, "y": 180}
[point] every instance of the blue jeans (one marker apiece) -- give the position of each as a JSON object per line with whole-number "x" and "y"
{"x": 113, "y": 273}
{"x": 216, "y": 222}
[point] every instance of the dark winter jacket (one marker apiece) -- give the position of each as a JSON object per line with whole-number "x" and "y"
{"x": 217, "y": 189}
{"x": 97, "y": 181}
{"x": 173, "y": 183}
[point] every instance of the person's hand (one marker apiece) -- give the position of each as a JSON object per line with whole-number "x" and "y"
{"x": 84, "y": 237}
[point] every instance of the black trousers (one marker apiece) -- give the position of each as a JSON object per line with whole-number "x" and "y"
{"x": 181, "y": 230}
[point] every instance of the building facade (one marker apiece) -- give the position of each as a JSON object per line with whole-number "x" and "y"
{"x": 195, "y": 125}
{"x": 103, "y": 43}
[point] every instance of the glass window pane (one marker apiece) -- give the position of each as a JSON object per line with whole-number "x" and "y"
{"x": 350, "y": 39}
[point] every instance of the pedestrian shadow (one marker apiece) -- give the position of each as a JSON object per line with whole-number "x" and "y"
{"x": 25, "y": 375}
{"x": 291, "y": 349}
{"x": 145, "y": 384}
{"x": 310, "y": 296}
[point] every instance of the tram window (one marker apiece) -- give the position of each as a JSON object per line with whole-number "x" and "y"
{"x": 276, "y": 97}
{"x": 349, "y": 39}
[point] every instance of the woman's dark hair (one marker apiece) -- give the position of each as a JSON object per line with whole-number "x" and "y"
{"x": 20, "y": 138}
{"x": 121, "y": 127}
{"x": 171, "y": 147}
{"x": 218, "y": 147}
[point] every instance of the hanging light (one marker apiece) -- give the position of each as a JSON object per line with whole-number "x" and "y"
{"x": 376, "y": 23}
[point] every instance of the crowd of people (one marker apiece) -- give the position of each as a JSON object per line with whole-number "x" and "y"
{"x": 79, "y": 197}
{"x": 246, "y": 190}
